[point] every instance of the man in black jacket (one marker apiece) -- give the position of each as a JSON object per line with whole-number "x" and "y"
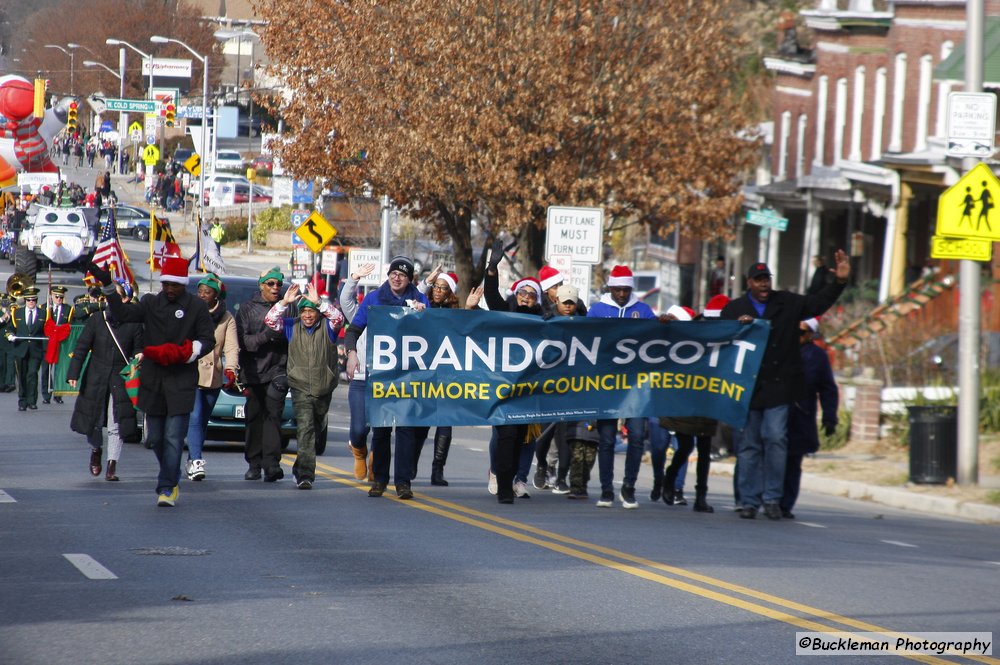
{"x": 263, "y": 362}
{"x": 761, "y": 446}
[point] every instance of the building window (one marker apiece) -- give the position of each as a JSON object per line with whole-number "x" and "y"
{"x": 786, "y": 120}
{"x": 800, "y": 146}
{"x": 944, "y": 87}
{"x": 878, "y": 113}
{"x": 898, "y": 99}
{"x": 924, "y": 102}
{"x": 857, "y": 114}
{"x": 821, "y": 101}
{"x": 839, "y": 120}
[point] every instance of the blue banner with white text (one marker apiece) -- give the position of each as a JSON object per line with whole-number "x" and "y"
{"x": 460, "y": 367}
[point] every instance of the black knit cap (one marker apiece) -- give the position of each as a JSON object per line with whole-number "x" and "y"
{"x": 403, "y": 264}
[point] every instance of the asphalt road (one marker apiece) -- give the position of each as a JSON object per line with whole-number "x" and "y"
{"x": 248, "y": 572}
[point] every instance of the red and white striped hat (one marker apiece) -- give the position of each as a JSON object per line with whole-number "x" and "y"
{"x": 549, "y": 277}
{"x": 451, "y": 279}
{"x": 681, "y": 313}
{"x": 621, "y": 276}
{"x": 713, "y": 308}
{"x": 527, "y": 283}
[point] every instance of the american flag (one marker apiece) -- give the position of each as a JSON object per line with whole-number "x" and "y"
{"x": 109, "y": 253}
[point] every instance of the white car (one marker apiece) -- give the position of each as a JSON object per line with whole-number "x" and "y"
{"x": 228, "y": 160}
{"x": 217, "y": 178}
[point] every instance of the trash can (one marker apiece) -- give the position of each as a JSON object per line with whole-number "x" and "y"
{"x": 933, "y": 443}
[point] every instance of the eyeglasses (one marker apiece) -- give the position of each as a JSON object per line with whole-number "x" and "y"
{"x": 31, "y": 300}
{"x": 56, "y": 295}
{"x": 398, "y": 275}
{"x": 274, "y": 284}
{"x": 441, "y": 287}
{"x": 527, "y": 293}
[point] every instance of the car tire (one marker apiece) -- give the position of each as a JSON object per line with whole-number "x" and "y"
{"x": 141, "y": 233}
{"x": 26, "y": 263}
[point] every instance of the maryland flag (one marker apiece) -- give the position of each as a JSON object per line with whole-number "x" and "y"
{"x": 162, "y": 244}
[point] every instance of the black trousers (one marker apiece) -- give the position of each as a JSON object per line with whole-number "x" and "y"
{"x": 685, "y": 444}
{"x": 263, "y": 431}
{"x": 509, "y": 441}
{"x": 27, "y": 380}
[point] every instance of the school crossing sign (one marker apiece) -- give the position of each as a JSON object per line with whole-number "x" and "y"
{"x": 968, "y": 211}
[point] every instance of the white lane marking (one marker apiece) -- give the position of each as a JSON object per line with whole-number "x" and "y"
{"x": 476, "y": 450}
{"x": 811, "y": 524}
{"x": 897, "y": 543}
{"x": 995, "y": 563}
{"x": 6, "y": 498}
{"x": 89, "y": 567}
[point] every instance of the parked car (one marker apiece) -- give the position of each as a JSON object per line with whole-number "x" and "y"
{"x": 263, "y": 163}
{"x": 214, "y": 180}
{"x": 181, "y": 155}
{"x": 228, "y": 419}
{"x": 242, "y": 194}
{"x": 131, "y": 221}
{"x": 228, "y": 160}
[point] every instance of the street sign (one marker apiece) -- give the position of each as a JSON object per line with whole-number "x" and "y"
{"x": 193, "y": 164}
{"x": 767, "y": 218}
{"x": 971, "y": 123}
{"x": 135, "y": 127}
{"x": 316, "y": 232}
{"x": 360, "y": 256}
{"x": 972, "y": 249}
{"x": 150, "y": 155}
{"x": 302, "y": 191}
{"x": 965, "y": 208}
{"x": 132, "y": 105}
{"x": 328, "y": 264}
{"x": 575, "y": 231}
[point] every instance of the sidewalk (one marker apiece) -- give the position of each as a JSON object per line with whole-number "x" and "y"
{"x": 928, "y": 499}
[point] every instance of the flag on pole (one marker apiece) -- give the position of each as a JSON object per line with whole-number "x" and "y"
{"x": 109, "y": 253}
{"x": 208, "y": 258}
{"x": 162, "y": 244}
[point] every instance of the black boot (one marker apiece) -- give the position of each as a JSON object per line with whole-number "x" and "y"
{"x": 657, "y": 489}
{"x": 700, "y": 505}
{"x": 668, "y": 487}
{"x": 442, "y": 443}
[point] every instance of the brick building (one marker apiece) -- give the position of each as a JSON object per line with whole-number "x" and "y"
{"x": 858, "y": 157}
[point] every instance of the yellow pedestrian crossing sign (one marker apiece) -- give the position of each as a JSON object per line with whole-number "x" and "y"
{"x": 316, "y": 232}
{"x": 151, "y": 155}
{"x": 135, "y": 127}
{"x": 968, "y": 209}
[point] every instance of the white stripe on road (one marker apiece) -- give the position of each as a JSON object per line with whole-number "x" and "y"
{"x": 6, "y": 498}
{"x": 90, "y": 568}
{"x": 897, "y": 543}
{"x": 476, "y": 450}
{"x": 812, "y": 524}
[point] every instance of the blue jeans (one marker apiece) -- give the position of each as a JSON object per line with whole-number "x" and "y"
{"x": 204, "y": 402}
{"x": 165, "y": 435}
{"x": 659, "y": 441}
{"x": 606, "y": 431}
{"x": 382, "y": 454}
{"x": 358, "y": 435}
{"x": 761, "y": 453}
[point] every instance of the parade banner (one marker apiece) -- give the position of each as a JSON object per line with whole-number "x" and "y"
{"x": 58, "y": 371}
{"x": 459, "y": 367}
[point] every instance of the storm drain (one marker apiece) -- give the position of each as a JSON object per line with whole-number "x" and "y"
{"x": 169, "y": 551}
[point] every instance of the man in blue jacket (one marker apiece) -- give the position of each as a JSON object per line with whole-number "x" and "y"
{"x": 620, "y": 303}
{"x": 396, "y": 291}
{"x": 762, "y": 444}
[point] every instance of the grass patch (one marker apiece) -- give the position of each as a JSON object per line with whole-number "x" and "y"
{"x": 993, "y": 497}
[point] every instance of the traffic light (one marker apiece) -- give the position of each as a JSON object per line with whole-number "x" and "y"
{"x": 71, "y": 117}
{"x": 170, "y": 115}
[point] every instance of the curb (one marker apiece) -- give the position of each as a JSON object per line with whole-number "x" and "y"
{"x": 889, "y": 496}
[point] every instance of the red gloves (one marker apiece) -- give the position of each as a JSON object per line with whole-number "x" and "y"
{"x": 230, "y": 379}
{"x": 169, "y": 354}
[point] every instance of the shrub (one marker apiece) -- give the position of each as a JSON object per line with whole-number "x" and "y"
{"x": 271, "y": 219}
{"x": 840, "y": 437}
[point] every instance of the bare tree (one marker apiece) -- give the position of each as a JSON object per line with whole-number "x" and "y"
{"x": 496, "y": 109}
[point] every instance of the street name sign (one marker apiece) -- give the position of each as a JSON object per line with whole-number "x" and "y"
{"x": 316, "y": 232}
{"x": 578, "y": 232}
{"x": 972, "y": 249}
{"x": 965, "y": 210}
{"x": 767, "y": 218}
{"x": 133, "y": 105}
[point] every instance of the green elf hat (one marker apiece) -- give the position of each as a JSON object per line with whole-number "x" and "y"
{"x": 212, "y": 281}
{"x": 271, "y": 273}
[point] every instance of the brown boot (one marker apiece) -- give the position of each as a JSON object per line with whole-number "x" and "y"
{"x": 95, "y": 461}
{"x": 360, "y": 461}
{"x": 110, "y": 473}
{"x": 371, "y": 469}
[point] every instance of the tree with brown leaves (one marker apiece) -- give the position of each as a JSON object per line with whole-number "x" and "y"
{"x": 496, "y": 109}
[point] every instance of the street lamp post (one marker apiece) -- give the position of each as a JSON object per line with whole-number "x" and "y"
{"x": 72, "y": 57}
{"x": 240, "y": 34}
{"x": 157, "y": 39}
{"x": 120, "y": 74}
{"x": 146, "y": 56}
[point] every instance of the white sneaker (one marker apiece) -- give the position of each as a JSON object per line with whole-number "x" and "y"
{"x": 196, "y": 469}
{"x": 521, "y": 489}
{"x": 491, "y": 486}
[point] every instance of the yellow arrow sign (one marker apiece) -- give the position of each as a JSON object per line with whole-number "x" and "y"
{"x": 973, "y": 249}
{"x": 965, "y": 210}
{"x": 193, "y": 164}
{"x": 316, "y": 232}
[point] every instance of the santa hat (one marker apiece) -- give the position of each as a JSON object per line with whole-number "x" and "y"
{"x": 549, "y": 277}
{"x": 451, "y": 279}
{"x": 621, "y": 276}
{"x": 528, "y": 283}
{"x": 174, "y": 270}
{"x": 681, "y": 313}
{"x": 812, "y": 324}
{"x": 713, "y": 308}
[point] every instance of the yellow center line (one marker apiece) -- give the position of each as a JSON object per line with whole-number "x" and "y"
{"x": 572, "y": 547}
